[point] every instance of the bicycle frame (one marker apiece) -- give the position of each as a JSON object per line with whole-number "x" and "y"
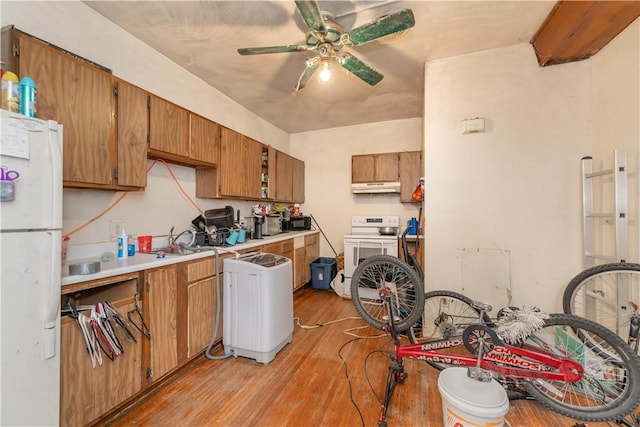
{"x": 527, "y": 363}
{"x": 517, "y": 362}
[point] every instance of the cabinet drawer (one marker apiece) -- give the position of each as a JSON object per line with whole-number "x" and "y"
{"x": 287, "y": 246}
{"x": 273, "y": 248}
{"x": 200, "y": 269}
{"x": 310, "y": 239}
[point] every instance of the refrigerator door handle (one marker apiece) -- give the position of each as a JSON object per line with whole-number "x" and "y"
{"x": 52, "y": 307}
{"x": 56, "y": 172}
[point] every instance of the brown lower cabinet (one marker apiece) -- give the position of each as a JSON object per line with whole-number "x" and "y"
{"x": 87, "y": 392}
{"x": 161, "y": 301}
{"x": 177, "y": 302}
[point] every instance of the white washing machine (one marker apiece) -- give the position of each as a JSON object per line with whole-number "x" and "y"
{"x": 258, "y": 305}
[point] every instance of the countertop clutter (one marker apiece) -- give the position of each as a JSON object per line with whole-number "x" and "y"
{"x": 143, "y": 261}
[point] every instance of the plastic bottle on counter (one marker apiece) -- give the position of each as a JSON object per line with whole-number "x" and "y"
{"x": 123, "y": 245}
{"x": 10, "y": 92}
{"x": 28, "y": 97}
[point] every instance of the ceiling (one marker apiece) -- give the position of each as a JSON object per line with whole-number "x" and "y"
{"x": 203, "y": 37}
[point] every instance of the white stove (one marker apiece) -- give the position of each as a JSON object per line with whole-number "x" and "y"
{"x": 368, "y": 227}
{"x": 365, "y": 241}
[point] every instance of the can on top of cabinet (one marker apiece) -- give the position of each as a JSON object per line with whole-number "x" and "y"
{"x": 28, "y": 97}
{"x": 10, "y": 92}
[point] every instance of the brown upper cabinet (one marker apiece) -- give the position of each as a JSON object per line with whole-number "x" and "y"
{"x": 250, "y": 170}
{"x": 289, "y": 178}
{"x": 133, "y": 129}
{"x": 204, "y": 139}
{"x": 240, "y": 165}
{"x": 410, "y": 173}
{"x": 405, "y": 167}
{"x": 180, "y": 136}
{"x": 168, "y": 129}
{"x": 298, "y": 180}
{"x": 111, "y": 127}
{"x": 79, "y": 95}
{"x": 284, "y": 176}
{"x": 382, "y": 167}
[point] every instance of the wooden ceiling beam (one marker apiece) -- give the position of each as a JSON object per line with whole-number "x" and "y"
{"x": 576, "y": 30}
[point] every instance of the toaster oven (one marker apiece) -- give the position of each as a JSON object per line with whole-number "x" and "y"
{"x": 272, "y": 225}
{"x": 299, "y": 223}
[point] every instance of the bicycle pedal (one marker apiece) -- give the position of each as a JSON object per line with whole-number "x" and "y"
{"x": 479, "y": 374}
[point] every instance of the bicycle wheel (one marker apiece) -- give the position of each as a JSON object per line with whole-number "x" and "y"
{"x": 407, "y": 292}
{"x": 446, "y": 314}
{"x": 608, "y": 294}
{"x": 608, "y": 389}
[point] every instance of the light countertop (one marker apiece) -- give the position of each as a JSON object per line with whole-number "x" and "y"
{"x": 142, "y": 261}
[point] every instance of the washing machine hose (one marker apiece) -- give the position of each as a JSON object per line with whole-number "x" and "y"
{"x": 217, "y": 316}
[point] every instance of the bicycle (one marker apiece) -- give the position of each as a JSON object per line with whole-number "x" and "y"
{"x": 608, "y": 294}
{"x": 572, "y": 365}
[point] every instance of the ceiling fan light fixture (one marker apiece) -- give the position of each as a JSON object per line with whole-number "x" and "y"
{"x": 325, "y": 72}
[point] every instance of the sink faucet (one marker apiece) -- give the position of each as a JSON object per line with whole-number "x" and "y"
{"x": 172, "y": 239}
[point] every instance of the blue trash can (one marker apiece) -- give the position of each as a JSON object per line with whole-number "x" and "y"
{"x": 323, "y": 271}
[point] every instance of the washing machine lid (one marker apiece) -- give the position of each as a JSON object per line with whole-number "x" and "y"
{"x": 265, "y": 260}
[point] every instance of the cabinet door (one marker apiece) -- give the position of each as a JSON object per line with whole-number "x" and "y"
{"x": 312, "y": 252}
{"x": 284, "y": 177}
{"x": 133, "y": 129}
{"x": 386, "y": 167}
{"x": 300, "y": 267}
{"x": 410, "y": 173}
{"x": 362, "y": 168}
{"x": 87, "y": 392}
{"x": 161, "y": 306}
{"x": 298, "y": 180}
{"x": 382, "y": 167}
{"x": 204, "y": 139}
{"x": 77, "y": 377}
{"x": 201, "y": 315}
{"x": 168, "y": 127}
{"x": 240, "y": 165}
{"x": 80, "y": 97}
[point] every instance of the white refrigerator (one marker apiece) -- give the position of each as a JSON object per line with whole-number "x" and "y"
{"x": 30, "y": 248}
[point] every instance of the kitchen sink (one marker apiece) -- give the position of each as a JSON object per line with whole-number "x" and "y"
{"x": 181, "y": 249}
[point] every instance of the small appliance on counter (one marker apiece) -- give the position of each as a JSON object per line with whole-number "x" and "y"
{"x": 258, "y": 223}
{"x": 213, "y": 226}
{"x": 272, "y": 225}
{"x": 299, "y": 223}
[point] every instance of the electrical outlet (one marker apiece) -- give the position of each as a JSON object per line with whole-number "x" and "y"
{"x": 115, "y": 228}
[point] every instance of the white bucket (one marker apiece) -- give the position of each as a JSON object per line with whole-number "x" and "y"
{"x": 469, "y": 403}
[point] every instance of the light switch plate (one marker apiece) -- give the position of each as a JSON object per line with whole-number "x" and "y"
{"x": 473, "y": 125}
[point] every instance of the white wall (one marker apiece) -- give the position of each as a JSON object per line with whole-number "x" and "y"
{"x": 616, "y": 122}
{"x": 79, "y": 29}
{"x": 503, "y": 206}
{"x": 327, "y": 155}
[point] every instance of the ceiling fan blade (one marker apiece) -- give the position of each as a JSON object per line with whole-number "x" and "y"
{"x": 271, "y": 49}
{"x": 310, "y": 12}
{"x": 385, "y": 26}
{"x": 360, "y": 69}
{"x": 312, "y": 66}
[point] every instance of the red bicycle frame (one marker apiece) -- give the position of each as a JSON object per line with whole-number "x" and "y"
{"x": 512, "y": 361}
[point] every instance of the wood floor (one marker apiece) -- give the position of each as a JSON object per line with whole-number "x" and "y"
{"x": 323, "y": 378}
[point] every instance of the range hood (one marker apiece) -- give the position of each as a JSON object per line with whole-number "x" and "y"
{"x": 375, "y": 187}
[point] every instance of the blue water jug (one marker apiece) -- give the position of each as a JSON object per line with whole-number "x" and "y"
{"x": 413, "y": 226}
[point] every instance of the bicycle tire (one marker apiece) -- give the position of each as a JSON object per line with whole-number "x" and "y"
{"x": 608, "y": 389}
{"x": 603, "y": 294}
{"x": 447, "y": 314}
{"x": 407, "y": 292}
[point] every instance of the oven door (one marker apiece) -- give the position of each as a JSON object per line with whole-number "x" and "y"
{"x": 356, "y": 250}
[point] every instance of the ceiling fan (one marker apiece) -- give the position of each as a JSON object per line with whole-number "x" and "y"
{"x": 325, "y": 37}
